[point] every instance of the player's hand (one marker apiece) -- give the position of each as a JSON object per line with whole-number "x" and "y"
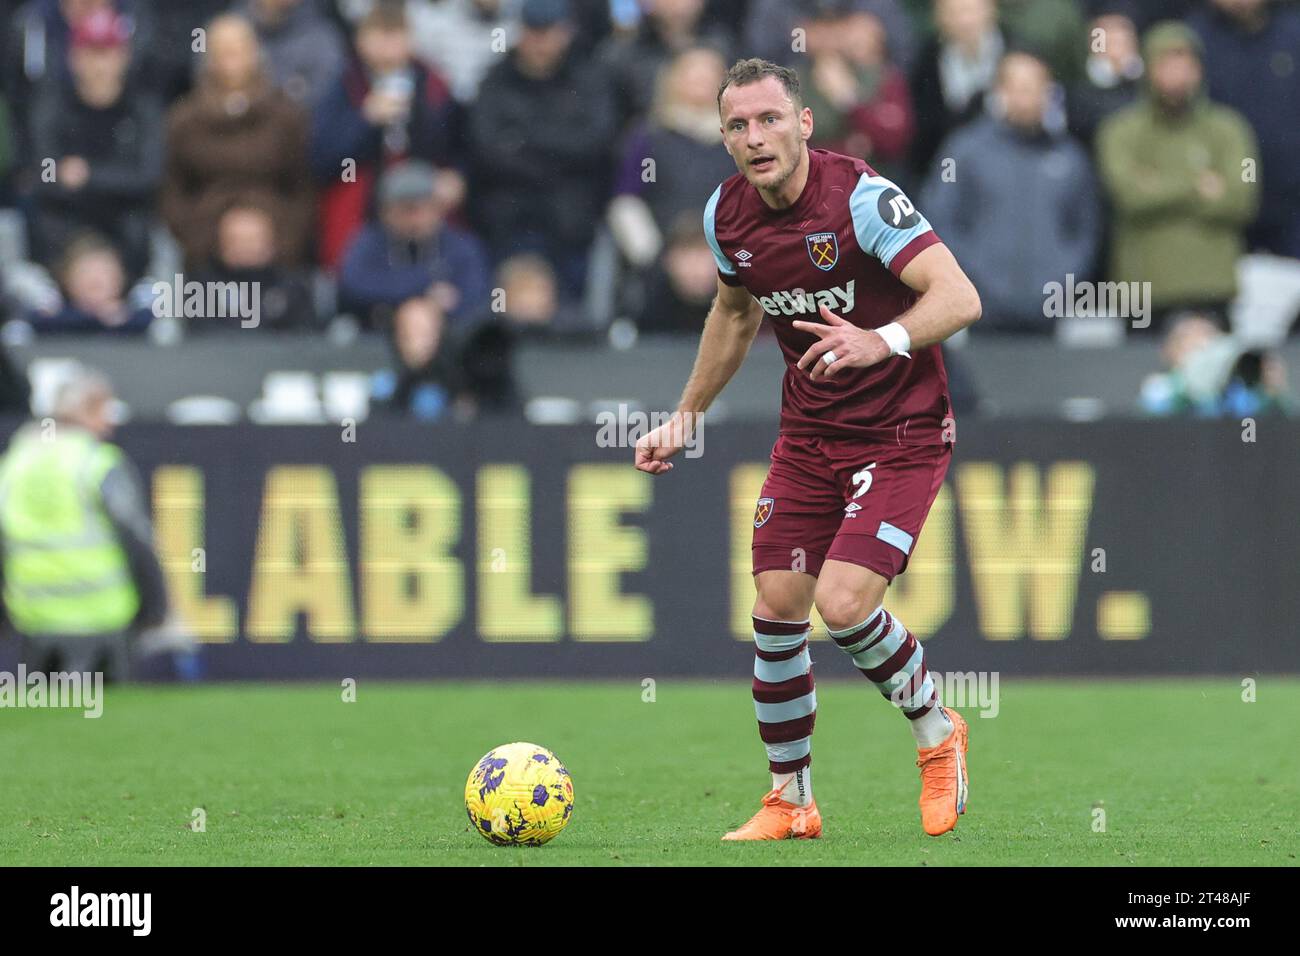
{"x": 654, "y": 448}
{"x": 853, "y": 347}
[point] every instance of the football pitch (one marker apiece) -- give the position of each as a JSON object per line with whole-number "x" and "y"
{"x": 1163, "y": 772}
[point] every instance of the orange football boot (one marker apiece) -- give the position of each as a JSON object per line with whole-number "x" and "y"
{"x": 779, "y": 820}
{"x": 943, "y": 779}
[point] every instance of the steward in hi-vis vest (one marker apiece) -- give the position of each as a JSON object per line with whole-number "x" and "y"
{"x": 77, "y": 565}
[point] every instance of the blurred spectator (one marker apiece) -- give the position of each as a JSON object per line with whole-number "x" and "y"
{"x": 105, "y": 141}
{"x": 955, "y": 69}
{"x": 386, "y": 107}
{"x": 169, "y": 59}
{"x": 530, "y": 296}
{"x": 1112, "y": 74}
{"x": 301, "y": 49}
{"x": 1022, "y": 209}
{"x": 35, "y": 59}
{"x": 860, "y": 101}
{"x": 1172, "y": 165}
{"x": 1050, "y": 29}
{"x": 634, "y": 61}
{"x": 411, "y": 252}
{"x": 1252, "y": 63}
{"x": 94, "y": 293}
{"x": 683, "y": 138}
{"x": 235, "y": 139}
{"x": 769, "y": 26}
{"x": 245, "y": 260}
{"x": 684, "y": 284}
{"x": 1209, "y": 374}
{"x": 531, "y": 309}
{"x": 421, "y": 384}
{"x": 541, "y": 134}
{"x": 459, "y": 39}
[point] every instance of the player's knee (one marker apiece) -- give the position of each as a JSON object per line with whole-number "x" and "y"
{"x": 842, "y": 609}
{"x": 779, "y": 609}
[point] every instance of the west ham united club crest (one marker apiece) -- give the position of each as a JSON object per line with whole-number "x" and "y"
{"x": 763, "y": 511}
{"x": 823, "y": 249}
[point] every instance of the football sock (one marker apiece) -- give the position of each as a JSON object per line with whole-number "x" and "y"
{"x": 931, "y": 728}
{"x": 785, "y": 703}
{"x": 892, "y": 659}
{"x": 794, "y": 787}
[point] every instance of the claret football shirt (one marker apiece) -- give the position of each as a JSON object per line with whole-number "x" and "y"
{"x": 843, "y": 244}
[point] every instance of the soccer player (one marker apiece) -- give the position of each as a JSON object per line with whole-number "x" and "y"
{"x": 860, "y": 292}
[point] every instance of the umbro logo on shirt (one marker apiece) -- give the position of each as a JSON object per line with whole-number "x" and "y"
{"x": 744, "y": 255}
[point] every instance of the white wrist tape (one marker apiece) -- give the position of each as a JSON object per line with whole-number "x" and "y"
{"x": 896, "y": 338}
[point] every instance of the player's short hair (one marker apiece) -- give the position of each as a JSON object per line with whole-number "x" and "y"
{"x": 386, "y": 16}
{"x": 744, "y": 72}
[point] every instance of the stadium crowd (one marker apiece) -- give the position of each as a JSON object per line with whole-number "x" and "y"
{"x": 458, "y": 173}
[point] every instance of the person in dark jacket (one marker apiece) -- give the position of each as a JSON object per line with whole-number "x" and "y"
{"x": 635, "y": 60}
{"x": 93, "y": 293}
{"x": 541, "y": 134}
{"x": 303, "y": 50}
{"x": 412, "y": 252}
{"x": 1024, "y": 208}
{"x": 956, "y": 68}
{"x": 98, "y": 146}
{"x": 422, "y": 383}
{"x": 386, "y": 107}
{"x": 244, "y": 265}
{"x": 1112, "y": 73}
{"x": 34, "y": 60}
{"x": 1252, "y": 63}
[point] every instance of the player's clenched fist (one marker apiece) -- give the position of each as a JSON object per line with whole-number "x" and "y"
{"x": 655, "y": 447}
{"x": 840, "y": 344}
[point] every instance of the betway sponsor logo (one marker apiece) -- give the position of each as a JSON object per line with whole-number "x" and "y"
{"x": 799, "y": 302}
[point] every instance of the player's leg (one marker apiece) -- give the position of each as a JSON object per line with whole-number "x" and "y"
{"x": 850, "y": 599}
{"x": 796, "y": 519}
{"x": 888, "y": 493}
{"x": 785, "y": 703}
{"x": 785, "y": 699}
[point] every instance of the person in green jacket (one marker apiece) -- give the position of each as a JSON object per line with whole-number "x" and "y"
{"x": 78, "y": 568}
{"x": 1181, "y": 178}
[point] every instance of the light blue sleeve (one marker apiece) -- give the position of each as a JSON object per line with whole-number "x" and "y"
{"x": 884, "y": 219}
{"x": 710, "y": 209}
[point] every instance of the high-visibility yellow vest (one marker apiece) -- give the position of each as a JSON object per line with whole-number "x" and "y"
{"x": 64, "y": 570}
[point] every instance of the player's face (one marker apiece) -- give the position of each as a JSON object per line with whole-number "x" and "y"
{"x": 764, "y": 132}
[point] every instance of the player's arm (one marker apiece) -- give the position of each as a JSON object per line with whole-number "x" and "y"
{"x": 947, "y": 304}
{"x": 729, "y": 330}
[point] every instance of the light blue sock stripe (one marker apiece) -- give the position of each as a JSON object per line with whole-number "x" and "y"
{"x": 774, "y": 672}
{"x": 786, "y": 710}
{"x": 774, "y": 643}
{"x": 794, "y": 750}
{"x": 882, "y": 651}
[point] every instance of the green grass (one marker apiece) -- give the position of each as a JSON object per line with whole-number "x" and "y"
{"x": 288, "y": 774}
